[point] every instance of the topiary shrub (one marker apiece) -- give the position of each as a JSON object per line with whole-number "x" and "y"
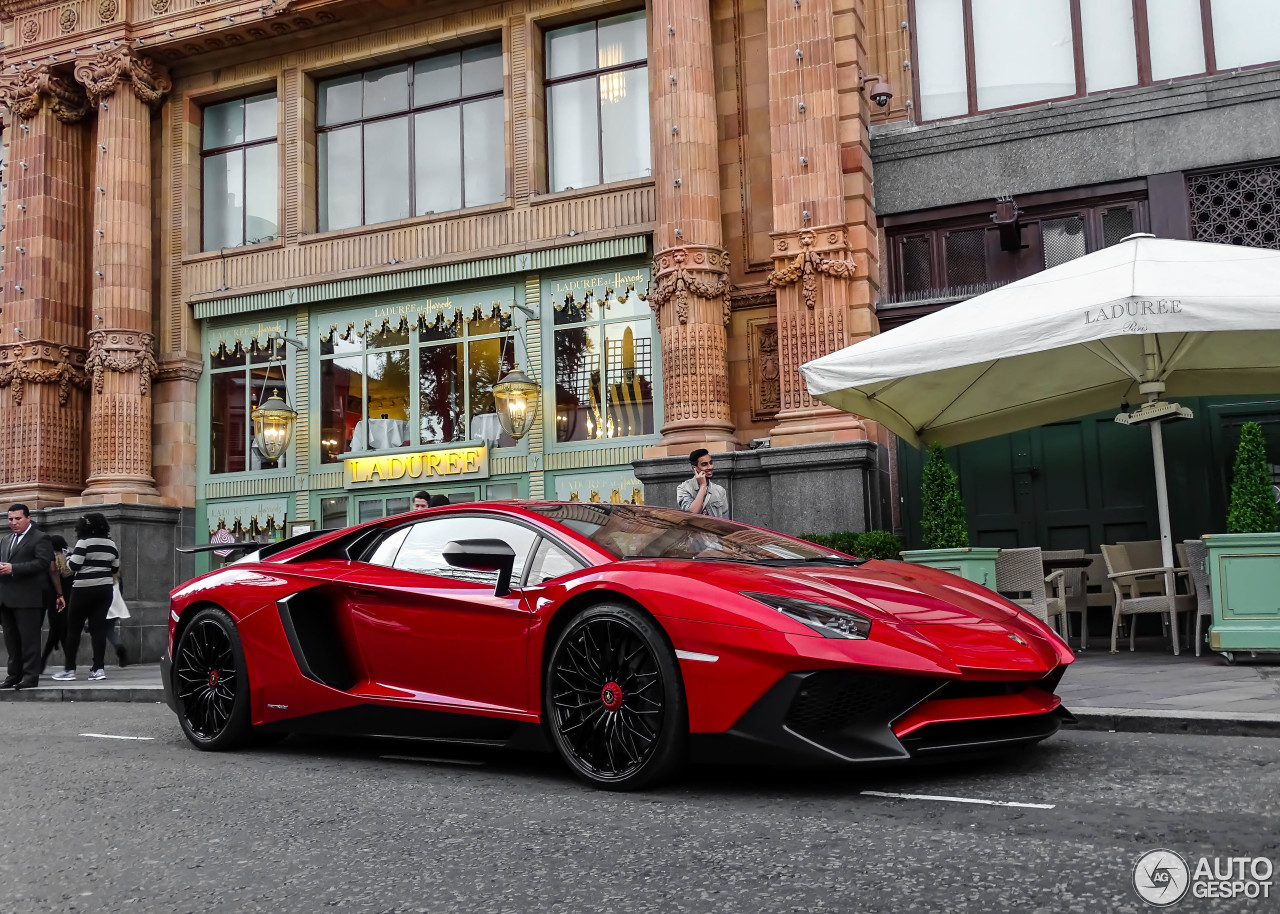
{"x": 942, "y": 520}
{"x": 878, "y": 544}
{"x": 1253, "y": 500}
{"x": 817, "y": 538}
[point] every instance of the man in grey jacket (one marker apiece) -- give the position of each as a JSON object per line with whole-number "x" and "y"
{"x": 700, "y": 495}
{"x": 24, "y": 574}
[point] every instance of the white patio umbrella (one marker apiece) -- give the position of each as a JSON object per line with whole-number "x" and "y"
{"x": 1143, "y": 319}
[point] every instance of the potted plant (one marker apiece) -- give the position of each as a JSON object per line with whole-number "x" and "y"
{"x": 1244, "y": 563}
{"x": 943, "y": 528}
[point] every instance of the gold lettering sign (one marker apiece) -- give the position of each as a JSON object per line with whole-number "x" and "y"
{"x": 465, "y": 461}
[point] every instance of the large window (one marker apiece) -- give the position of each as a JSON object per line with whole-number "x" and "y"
{"x": 238, "y": 377}
{"x": 603, "y": 367}
{"x": 981, "y": 55}
{"x": 412, "y": 139}
{"x": 241, "y": 172}
{"x": 423, "y": 380}
{"x": 598, "y": 101}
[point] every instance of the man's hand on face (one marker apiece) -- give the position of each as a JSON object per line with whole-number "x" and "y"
{"x": 701, "y": 474}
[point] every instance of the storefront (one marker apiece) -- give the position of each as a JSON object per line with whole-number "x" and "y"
{"x": 394, "y": 394}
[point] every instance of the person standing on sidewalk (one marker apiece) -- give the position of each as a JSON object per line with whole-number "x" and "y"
{"x": 700, "y": 495}
{"x": 24, "y": 577}
{"x": 60, "y": 577}
{"x": 96, "y": 562}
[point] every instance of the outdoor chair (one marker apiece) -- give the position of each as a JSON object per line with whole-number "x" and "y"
{"x": 1197, "y": 554}
{"x": 1098, "y": 590}
{"x": 1145, "y": 554}
{"x": 1125, "y": 577}
{"x": 1020, "y": 578}
{"x": 1070, "y": 588}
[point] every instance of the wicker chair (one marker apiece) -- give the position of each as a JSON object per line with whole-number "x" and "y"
{"x": 1130, "y": 599}
{"x": 1197, "y": 553}
{"x": 1020, "y": 577}
{"x": 1070, "y": 588}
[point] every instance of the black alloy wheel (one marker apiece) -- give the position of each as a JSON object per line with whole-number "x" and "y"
{"x": 614, "y": 699}
{"x": 210, "y": 682}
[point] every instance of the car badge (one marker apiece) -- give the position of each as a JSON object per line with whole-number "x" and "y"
{"x": 1016, "y": 638}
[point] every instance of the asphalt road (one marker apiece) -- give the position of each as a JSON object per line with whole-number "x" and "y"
{"x": 104, "y": 825}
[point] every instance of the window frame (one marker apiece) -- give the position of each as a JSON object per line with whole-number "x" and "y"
{"x": 548, "y": 83}
{"x": 243, "y": 148}
{"x": 282, "y": 361}
{"x": 1142, "y": 49}
{"x": 410, "y": 114}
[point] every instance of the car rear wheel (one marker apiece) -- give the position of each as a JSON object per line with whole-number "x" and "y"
{"x": 210, "y": 682}
{"x": 614, "y": 699}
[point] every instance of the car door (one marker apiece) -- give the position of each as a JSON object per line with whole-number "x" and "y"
{"x": 435, "y": 633}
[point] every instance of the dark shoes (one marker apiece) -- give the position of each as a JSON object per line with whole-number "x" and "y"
{"x": 9, "y": 683}
{"x": 27, "y": 684}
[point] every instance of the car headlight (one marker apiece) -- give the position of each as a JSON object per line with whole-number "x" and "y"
{"x": 828, "y": 621}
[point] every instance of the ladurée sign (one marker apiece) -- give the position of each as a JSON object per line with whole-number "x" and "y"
{"x": 1136, "y": 309}
{"x": 461, "y": 462}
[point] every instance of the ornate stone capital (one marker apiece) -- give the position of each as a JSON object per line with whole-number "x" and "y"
{"x": 41, "y": 362}
{"x": 124, "y": 352}
{"x": 179, "y": 370}
{"x": 101, "y": 75}
{"x": 25, "y": 91}
{"x": 802, "y": 257}
{"x": 274, "y": 7}
{"x": 676, "y": 275}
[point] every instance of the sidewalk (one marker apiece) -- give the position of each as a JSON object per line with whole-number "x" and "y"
{"x": 1148, "y": 691}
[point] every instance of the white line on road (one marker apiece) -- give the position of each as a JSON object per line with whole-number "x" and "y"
{"x": 923, "y": 796}
{"x": 434, "y": 761}
{"x": 112, "y": 736}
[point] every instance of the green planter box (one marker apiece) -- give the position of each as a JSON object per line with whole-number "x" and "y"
{"x": 1244, "y": 578}
{"x": 977, "y": 564}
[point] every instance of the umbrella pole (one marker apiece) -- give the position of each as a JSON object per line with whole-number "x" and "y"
{"x": 1162, "y": 494}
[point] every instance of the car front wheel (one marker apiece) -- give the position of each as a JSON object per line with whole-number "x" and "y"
{"x": 210, "y": 682}
{"x": 614, "y": 699}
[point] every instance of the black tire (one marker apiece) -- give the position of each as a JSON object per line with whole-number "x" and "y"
{"x": 211, "y": 684}
{"x": 614, "y": 700}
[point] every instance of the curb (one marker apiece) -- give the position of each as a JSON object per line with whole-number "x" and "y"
{"x": 1200, "y": 723}
{"x": 100, "y": 693}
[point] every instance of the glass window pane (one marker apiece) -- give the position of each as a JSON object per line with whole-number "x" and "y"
{"x": 572, "y": 132}
{"x": 1110, "y": 54}
{"x": 438, "y": 169}
{"x": 260, "y": 117}
{"x": 224, "y": 200}
{"x": 1063, "y": 240}
{"x": 436, "y": 79}
{"x": 624, "y": 124}
{"x": 622, "y": 39}
{"x": 340, "y": 100}
{"x": 341, "y": 406}
{"x": 387, "y": 374}
{"x": 386, "y": 90}
{"x": 397, "y": 505}
{"x": 262, "y": 170}
{"x": 228, "y": 429}
{"x": 628, "y": 359}
{"x": 940, "y": 44}
{"x": 333, "y": 513}
{"x": 385, "y": 554}
{"x": 578, "y": 410}
{"x": 1176, "y": 33}
{"x": 1022, "y": 51}
{"x": 440, "y": 325}
{"x": 369, "y": 510}
{"x": 386, "y": 172}
{"x": 423, "y": 549}
{"x": 339, "y": 153}
{"x": 440, "y": 395}
{"x": 224, "y": 124}
{"x": 571, "y": 50}
{"x": 1245, "y": 32}
{"x": 485, "y": 146}
{"x": 550, "y": 562}
{"x": 264, "y": 380}
{"x": 488, "y": 361}
{"x": 482, "y": 70}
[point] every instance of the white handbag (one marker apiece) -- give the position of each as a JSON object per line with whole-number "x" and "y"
{"x": 118, "y": 608}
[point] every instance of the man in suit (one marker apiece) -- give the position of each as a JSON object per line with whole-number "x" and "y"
{"x": 24, "y": 574}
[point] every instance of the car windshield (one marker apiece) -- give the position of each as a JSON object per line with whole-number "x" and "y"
{"x": 637, "y": 531}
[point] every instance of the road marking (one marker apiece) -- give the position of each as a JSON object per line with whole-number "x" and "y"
{"x": 434, "y": 761}
{"x": 924, "y": 796}
{"x": 110, "y": 736}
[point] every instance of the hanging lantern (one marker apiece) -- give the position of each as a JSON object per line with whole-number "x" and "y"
{"x": 273, "y": 423}
{"x": 516, "y": 402}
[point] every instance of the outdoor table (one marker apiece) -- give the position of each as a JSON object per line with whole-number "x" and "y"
{"x": 1052, "y": 565}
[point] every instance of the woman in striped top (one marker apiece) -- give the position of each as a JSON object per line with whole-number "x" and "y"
{"x": 96, "y": 562}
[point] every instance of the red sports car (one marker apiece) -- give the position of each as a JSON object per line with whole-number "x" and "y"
{"x": 631, "y": 639}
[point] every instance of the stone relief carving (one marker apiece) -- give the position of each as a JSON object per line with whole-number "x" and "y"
{"x": 68, "y": 18}
{"x": 21, "y": 365}
{"x": 24, "y": 92}
{"x": 101, "y": 75}
{"x": 808, "y": 264}
{"x": 107, "y": 10}
{"x": 122, "y": 351}
{"x": 766, "y": 389}
{"x": 159, "y": 7}
{"x": 675, "y": 280}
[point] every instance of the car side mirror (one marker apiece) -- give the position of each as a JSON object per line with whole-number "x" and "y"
{"x": 483, "y": 555}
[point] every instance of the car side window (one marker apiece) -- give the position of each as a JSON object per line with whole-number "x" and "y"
{"x": 550, "y": 562}
{"x": 423, "y": 547}
{"x": 385, "y": 552}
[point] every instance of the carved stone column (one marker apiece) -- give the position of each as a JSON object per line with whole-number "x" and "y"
{"x": 121, "y": 358}
{"x": 690, "y": 287}
{"x": 42, "y": 400}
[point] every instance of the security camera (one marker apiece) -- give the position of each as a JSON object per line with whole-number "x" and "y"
{"x": 880, "y": 92}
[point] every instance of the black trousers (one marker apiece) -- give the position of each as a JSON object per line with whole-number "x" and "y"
{"x": 22, "y": 641}
{"x": 89, "y": 603}
{"x": 57, "y": 627}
